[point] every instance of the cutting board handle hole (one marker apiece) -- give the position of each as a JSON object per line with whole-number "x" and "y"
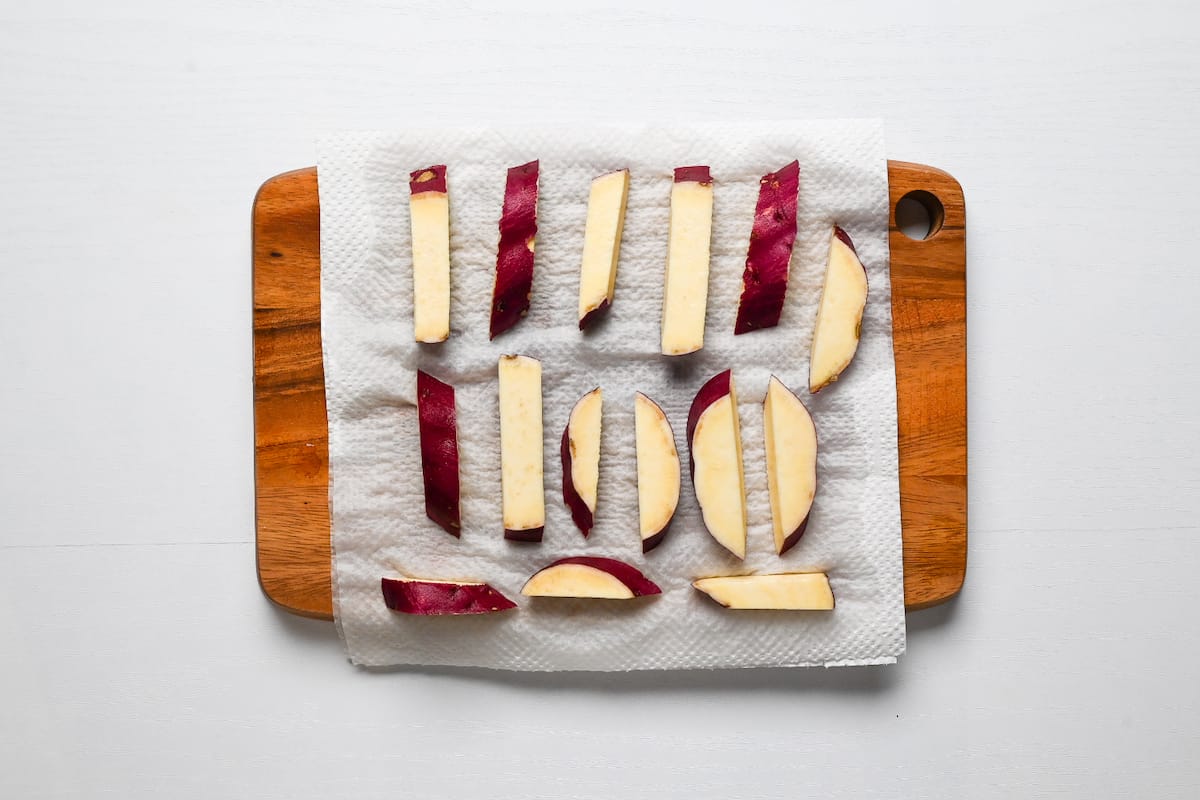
{"x": 919, "y": 215}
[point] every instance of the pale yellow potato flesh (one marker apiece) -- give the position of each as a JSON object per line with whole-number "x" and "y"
{"x": 658, "y": 471}
{"x": 602, "y": 240}
{"x": 583, "y": 434}
{"x": 576, "y": 580}
{"x": 839, "y": 316}
{"x": 685, "y": 296}
{"x": 719, "y": 482}
{"x": 430, "y": 219}
{"x": 791, "y": 440}
{"x": 791, "y": 591}
{"x": 522, "y": 495}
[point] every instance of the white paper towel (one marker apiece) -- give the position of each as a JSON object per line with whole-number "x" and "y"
{"x": 379, "y": 525}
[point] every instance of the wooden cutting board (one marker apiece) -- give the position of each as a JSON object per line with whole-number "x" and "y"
{"x": 929, "y": 310}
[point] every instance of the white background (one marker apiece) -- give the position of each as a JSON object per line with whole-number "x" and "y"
{"x": 137, "y": 656}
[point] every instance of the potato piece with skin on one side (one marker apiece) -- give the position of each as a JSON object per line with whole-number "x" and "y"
{"x": 429, "y": 215}
{"x": 791, "y": 448}
{"x": 602, "y": 245}
{"x": 658, "y": 471}
{"x": 840, "y": 313}
{"x": 715, "y": 453}
{"x": 788, "y": 591}
{"x": 769, "y": 256}
{"x": 590, "y": 577}
{"x": 442, "y": 598}
{"x": 689, "y": 240}
{"x": 580, "y": 453}
{"x": 514, "y": 254}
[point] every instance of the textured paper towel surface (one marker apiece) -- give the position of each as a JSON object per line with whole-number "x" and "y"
{"x": 379, "y": 524}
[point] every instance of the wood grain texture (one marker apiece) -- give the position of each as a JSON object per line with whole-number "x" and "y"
{"x": 929, "y": 329}
{"x": 291, "y": 444}
{"x": 291, "y": 434}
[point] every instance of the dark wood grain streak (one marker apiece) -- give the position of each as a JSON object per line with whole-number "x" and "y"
{"x": 291, "y": 435}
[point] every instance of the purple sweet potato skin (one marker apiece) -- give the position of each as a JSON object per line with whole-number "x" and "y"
{"x": 580, "y": 513}
{"x": 432, "y": 598}
{"x": 699, "y": 174}
{"x": 437, "y": 416}
{"x": 769, "y": 257}
{"x": 514, "y": 256}
{"x": 430, "y": 179}
{"x": 525, "y": 534}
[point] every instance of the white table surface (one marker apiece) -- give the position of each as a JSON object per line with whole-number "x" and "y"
{"x": 137, "y": 656}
